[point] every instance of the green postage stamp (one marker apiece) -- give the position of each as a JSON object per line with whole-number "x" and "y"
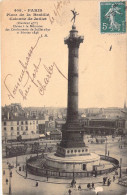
{"x": 112, "y": 17}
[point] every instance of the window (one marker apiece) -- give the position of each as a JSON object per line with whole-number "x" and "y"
{"x": 11, "y": 128}
{"x": 26, "y": 122}
{"x": 4, "y": 128}
{"x": 67, "y": 151}
{"x": 17, "y": 122}
{"x": 82, "y": 150}
{"x": 22, "y": 128}
{"x": 21, "y": 122}
{"x": 26, "y": 128}
{"x": 17, "y": 133}
{"x": 84, "y": 167}
{"x": 86, "y": 150}
{"x": 33, "y": 122}
{"x": 71, "y": 151}
{"x": 17, "y": 128}
{"x": 36, "y": 122}
{"x": 4, "y": 123}
{"x": 75, "y": 151}
{"x": 78, "y": 150}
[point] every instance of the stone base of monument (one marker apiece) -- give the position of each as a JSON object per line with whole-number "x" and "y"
{"x": 75, "y": 151}
{"x": 72, "y": 163}
{"x": 75, "y": 166}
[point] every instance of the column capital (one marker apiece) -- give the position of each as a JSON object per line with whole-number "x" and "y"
{"x": 73, "y": 41}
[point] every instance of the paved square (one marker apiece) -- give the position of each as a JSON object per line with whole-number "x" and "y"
{"x": 56, "y": 186}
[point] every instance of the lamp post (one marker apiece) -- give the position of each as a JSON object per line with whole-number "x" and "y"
{"x": 120, "y": 167}
{"x": 73, "y": 171}
{"x": 11, "y": 139}
{"x": 37, "y": 150}
{"x": 106, "y": 147}
{"x": 16, "y": 160}
{"x": 26, "y": 167}
{"x": 10, "y": 175}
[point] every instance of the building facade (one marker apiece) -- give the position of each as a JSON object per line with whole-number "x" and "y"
{"x": 22, "y": 126}
{"x": 100, "y": 126}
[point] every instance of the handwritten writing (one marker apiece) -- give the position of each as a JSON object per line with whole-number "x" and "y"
{"x": 26, "y": 78}
{"x": 58, "y": 10}
{"x": 13, "y": 92}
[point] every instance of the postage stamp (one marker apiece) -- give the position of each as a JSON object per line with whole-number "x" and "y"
{"x": 112, "y": 17}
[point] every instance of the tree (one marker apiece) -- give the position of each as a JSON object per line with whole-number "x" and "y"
{"x": 19, "y": 138}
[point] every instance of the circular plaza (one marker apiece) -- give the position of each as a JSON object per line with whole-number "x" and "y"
{"x": 69, "y": 167}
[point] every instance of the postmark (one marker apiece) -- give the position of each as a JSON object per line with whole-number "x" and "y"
{"x": 113, "y": 17}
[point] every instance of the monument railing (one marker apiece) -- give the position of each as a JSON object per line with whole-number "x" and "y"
{"x": 40, "y": 171}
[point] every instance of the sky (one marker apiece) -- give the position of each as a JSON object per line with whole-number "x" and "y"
{"x": 102, "y": 73}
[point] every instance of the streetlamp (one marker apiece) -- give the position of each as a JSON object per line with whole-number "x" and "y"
{"x": 10, "y": 175}
{"x": 120, "y": 167}
{"x": 26, "y": 167}
{"x": 11, "y": 139}
{"x": 106, "y": 147}
{"x": 73, "y": 171}
{"x": 16, "y": 160}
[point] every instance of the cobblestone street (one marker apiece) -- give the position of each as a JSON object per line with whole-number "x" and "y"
{"x": 54, "y": 186}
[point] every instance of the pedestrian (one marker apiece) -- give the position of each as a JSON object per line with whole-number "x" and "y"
{"x": 74, "y": 183}
{"x": 93, "y": 185}
{"x": 114, "y": 178}
{"x": 88, "y": 185}
{"x": 69, "y": 191}
{"x": 6, "y": 181}
{"x": 108, "y": 153}
{"x": 10, "y": 173}
{"x": 71, "y": 184}
{"x": 3, "y": 172}
{"x": 116, "y": 172}
{"x": 36, "y": 184}
{"x": 104, "y": 180}
{"x": 79, "y": 187}
{"x": 108, "y": 182}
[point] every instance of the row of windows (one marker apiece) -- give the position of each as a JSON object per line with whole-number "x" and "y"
{"x": 68, "y": 151}
{"x": 26, "y": 128}
{"x": 120, "y": 125}
{"x": 22, "y": 128}
{"x": 101, "y": 123}
{"x": 75, "y": 151}
{"x": 24, "y": 133}
{"x": 22, "y": 122}
{"x": 104, "y": 123}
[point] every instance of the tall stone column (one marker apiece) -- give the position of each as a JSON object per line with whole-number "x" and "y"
{"x": 73, "y": 42}
{"x": 72, "y": 137}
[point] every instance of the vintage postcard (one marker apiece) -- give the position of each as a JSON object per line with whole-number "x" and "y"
{"x": 64, "y": 97}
